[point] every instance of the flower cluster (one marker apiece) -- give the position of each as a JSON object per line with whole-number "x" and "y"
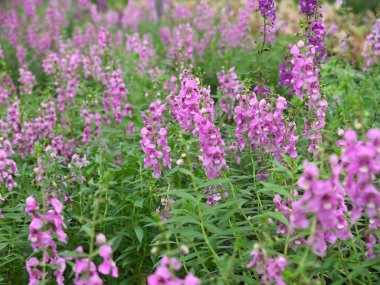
{"x": 204, "y": 22}
{"x": 308, "y": 7}
{"x": 13, "y": 116}
{"x": 229, "y": 87}
{"x": 237, "y": 34}
{"x": 45, "y": 225}
{"x": 306, "y": 84}
{"x": 304, "y": 72}
{"x": 154, "y": 142}
{"x": 325, "y": 200}
{"x": 136, "y": 12}
{"x": 193, "y": 108}
{"x": 317, "y": 38}
{"x": 88, "y": 133}
{"x": 115, "y": 95}
{"x": 65, "y": 66}
{"x": 215, "y": 194}
{"x": 86, "y": 272}
{"x": 362, "y": 163}
{"x": 35, "y": 129}
{"x": 6, "y": 89}
{"x": 61, "y": 146}
{"x": 39, "y": 170}
{"x": 171, "y": 85}
{"x": 164, "y": 211}
{"x": 75, "y": 165}
{"x": 104, "y": 38}
{"x": 212, "y": 147}
{"x": 268, "y": 9}
{"x": 371, "y": 50}
{"x": 285, "y": 207}
{"x": 265, "y": 126}
{"x": 8, "y": 167}
{"x": 268, "y": 268}
{"x": 164, "y": 274}
{"x": 180, "y": 44}
{"x": 187, "y": 103}
{"x": 285, "y": 74}
{"x": 27, "y": 81}
{"x": 145, "y": 51}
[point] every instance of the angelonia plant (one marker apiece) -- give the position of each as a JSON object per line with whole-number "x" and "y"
{"x": 169, "y": 142}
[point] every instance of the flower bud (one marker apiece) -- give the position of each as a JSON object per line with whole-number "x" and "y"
{"x": 184, "y": 250}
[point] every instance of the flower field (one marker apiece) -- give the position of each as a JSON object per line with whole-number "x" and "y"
{"x": 169, "y": 142}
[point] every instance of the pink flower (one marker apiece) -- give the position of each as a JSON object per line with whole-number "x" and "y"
{"x": 164, "y": 274}
{"x": 8, "y": 167}
{"x": 108, "y": 265}
{"x": 85, "y": 271}
{"x": 41, "y": 230}
{"x": 104, "y": 38}
{"x": 325, "y": 200}
{"x": 193, "y": 108}
{"x": 263, "y": 125}
{"x": 371, "y": 50}
{"x": 154, "y": 139}
{"x": 27, "y": 81}
{"x": 268, "y": 268}
{"x": 229, "y": 87}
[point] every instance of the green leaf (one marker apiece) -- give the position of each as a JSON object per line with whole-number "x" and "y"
{"x": 139, "y": 233}
{"x": 179, "y": 193}
{"x": 275, "y": 188}
{"x": 275, "y": 215}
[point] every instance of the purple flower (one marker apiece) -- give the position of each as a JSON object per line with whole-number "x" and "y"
{"x": 268, "y": 268}
{"x": 308, "y": 7}
{"x": 193, "y": 108}
{"x": 267, "y": 9}
{"x": 371, "y": 50}
{"x": 27, "y": 81}
{"x": 8, "y": 167}
{"x": 164, "y": 274}
{"x": 324, "y": 199}
{"x": 304, "y": 74}
{"x": 35, "y": 274}
{"x": 85, "y": 271}
{"x": 361, "y": 160}
{"x": 166, "y": 208}
{"x": 108, "y": 266}
{"x": 42, "y": 228}
{"x": 264, "y": 126}
{"x": 104, "y": 38}
{"x": 229, "y": 87}
{"x": 154, "y": 139}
